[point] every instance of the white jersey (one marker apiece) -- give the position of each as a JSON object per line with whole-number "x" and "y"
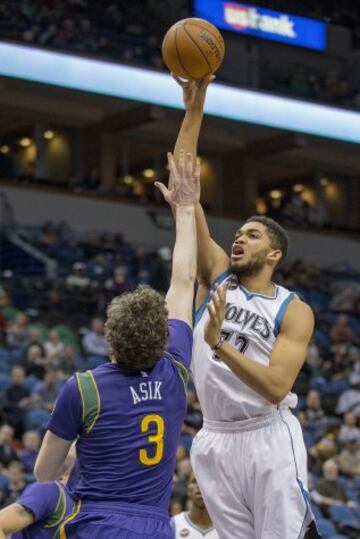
{"x": 252, "y": 323}
{"x": 185, "y": 529}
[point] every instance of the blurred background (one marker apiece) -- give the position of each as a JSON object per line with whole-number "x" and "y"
{"x": 81, "y": 221}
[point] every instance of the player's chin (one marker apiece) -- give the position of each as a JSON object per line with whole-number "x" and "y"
{"x": 237, "y": 263}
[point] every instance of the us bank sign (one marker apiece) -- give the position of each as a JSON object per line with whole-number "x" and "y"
{"x": 263, "y": 23}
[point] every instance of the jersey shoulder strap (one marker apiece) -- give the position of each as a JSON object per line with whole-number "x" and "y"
{"x": 90, "y": 399}
{"x": 183, "y": 372}
{"x": 58, "y": 513}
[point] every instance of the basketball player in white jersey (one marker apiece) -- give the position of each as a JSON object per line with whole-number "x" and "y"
{"x": 195, "y": 523}
{"x": 249, "y": 346}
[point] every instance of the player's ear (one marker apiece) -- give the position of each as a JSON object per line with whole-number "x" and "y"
{"x": 274, "y": 256}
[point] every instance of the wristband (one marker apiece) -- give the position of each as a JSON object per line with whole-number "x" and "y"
{"x": 219, "y": 344}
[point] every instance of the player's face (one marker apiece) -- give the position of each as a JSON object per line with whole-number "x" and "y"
{"x": 194, "y": 493}
{"x": 250, "y": 249}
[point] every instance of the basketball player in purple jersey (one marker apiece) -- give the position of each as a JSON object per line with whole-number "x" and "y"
{"x": 250, "y": 341}
{"x": 41, "y": 508}
{"x": 127, "y": 415}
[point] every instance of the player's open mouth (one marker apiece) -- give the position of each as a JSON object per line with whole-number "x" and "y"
{"x": 237, "y": 251}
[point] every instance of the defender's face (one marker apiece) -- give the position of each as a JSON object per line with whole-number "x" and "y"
{"x": 251, "y": 243}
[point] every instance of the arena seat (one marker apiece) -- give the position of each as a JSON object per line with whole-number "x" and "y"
{"x": 344, "y": 516}
{"x": 326, "y": 528}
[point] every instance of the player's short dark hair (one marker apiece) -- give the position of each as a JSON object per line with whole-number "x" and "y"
{"x": 136, "y": 329}
{"x": 277, "y": 234}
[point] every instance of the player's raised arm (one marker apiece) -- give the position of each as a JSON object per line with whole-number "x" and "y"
{"x": 185, "y": 194}
{"x": 212, "y": 259}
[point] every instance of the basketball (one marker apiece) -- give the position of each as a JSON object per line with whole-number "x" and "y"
{"x": 193, "y": 48}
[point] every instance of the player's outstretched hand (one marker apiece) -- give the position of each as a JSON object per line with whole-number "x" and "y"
{"x": 194, "y": 92}
{"x": 216, "y": 310}
{"x": 184, "y": 188}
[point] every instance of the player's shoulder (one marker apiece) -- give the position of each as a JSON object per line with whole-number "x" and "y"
{"x": 299, "y": 313}
{"x": 42, "y": 489}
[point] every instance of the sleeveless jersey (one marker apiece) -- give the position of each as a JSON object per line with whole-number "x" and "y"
{"x": 185, "y": 529}
{"x": 252, "y": 323}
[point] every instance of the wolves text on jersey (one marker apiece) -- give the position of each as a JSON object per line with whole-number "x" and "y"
{"x": 248, "y": 320}
{"x": 145, "y": 391}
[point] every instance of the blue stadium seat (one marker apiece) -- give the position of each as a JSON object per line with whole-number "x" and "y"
{"x": 37, "y": 419}
{"x": 15, "y": 356}
{"x": 94, "y": 361}
{"x": 30, "y": 383}
{"x": 344, "y": 516}
{"x": 326, "y": 528}
{"x": 5, "y": 381}
{"x": 344, "y": 481}
{"x": 4, "y": 482}
{"x": 316, "y": 511}
{"x": 4, "y": 367}
{"x": 4, "y": 354}
{"x": 352, "y": 495}
{"x": 338, "y": 537}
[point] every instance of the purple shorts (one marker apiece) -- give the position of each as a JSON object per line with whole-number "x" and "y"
{"x": 115, "y": 520}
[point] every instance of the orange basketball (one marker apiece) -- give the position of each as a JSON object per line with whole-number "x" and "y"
{"x": 193, "y": 48}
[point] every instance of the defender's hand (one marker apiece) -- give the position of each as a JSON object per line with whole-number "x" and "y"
{"x": 194, "y": 92}
{"x": 184, "y": 188}
{"x": 216, "y": 310}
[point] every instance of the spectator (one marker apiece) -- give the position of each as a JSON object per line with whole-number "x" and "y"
{"x": 16, "y": 481}
{"x": 341, "y": 331}
{"x": 17, "y": 399}
{"x": 325, "y": 449}
{"x": 46, "y": 392}
{"x": 78, "y": 279}
{"x": 94, "y": 342}
{"x": 349, "y": 428}
{"x": 65, "y": 363}
{"x": 18, "y": 331}
{"x": 31, "y": 442}
{"x": 7, "y": 452}
{"x": 53, "y": 345}
{"x": 34, "y": 339}
{"x": 329, "y": 491}
{"x": 119, "y": 283}
{"x": 349, "y": 400}
{"x": 343, "y": 301}
{"x": 35, "y": 362}
{"x": 349, "y": 458}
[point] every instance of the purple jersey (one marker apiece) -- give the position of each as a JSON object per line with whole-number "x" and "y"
{"x": 50, "y": 504}
{"x": 128, "y": 426}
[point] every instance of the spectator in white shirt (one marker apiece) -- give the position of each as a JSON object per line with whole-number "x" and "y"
{"x": 94, "y": 342}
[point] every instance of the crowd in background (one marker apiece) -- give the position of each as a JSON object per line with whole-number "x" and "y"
{"x": 49, "y": 328}
{"x": 131, "y": 32}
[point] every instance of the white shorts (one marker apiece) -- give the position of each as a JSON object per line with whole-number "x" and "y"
{"x": 253, "y": 477}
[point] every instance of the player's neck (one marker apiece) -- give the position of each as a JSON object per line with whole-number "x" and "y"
{"x": 200, "y": 518}
{"x": 258, "y": 284}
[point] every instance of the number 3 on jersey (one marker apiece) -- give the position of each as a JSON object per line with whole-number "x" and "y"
{"x": 157, "y": 439}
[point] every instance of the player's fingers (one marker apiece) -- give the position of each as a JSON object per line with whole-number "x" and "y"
{"x": 189, "y": 165}
{"x": 172, "y": 166}
{"x": 222, "y": 294}
{"x": 216, "y": 302}
{"x": 164, "y": 190}
{"x": 211, "y": 312}
{"x": 182, "y": 163}
{"x": 178, "y": 80}
{"x": 197, "y": 171}
{"x": 204, "y": 83}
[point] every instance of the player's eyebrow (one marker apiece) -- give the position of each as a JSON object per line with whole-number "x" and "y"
{"x": 240, "y": 232}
